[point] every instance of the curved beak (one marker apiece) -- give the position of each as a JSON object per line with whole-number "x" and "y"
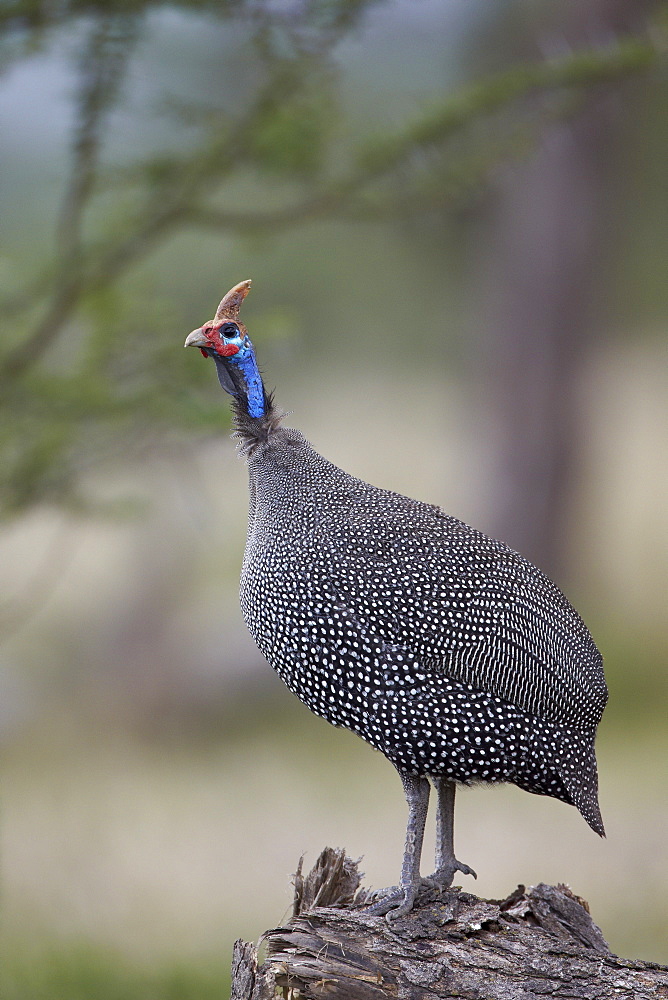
{"x": 196, "y": 339}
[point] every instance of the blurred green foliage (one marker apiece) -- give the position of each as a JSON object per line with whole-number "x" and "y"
{"x": 78, "y": 363}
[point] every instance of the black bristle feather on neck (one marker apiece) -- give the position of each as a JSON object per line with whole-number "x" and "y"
{"x": 254, "y": 431}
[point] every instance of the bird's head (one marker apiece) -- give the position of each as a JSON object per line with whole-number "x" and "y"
{"x": 226, "y": 340}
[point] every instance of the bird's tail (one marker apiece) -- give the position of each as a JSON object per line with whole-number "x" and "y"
{"x": 577, "y": 770}
{"x": 567, "y": 773}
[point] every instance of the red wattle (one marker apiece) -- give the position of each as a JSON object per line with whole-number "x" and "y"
{"x": 227, "y": 350}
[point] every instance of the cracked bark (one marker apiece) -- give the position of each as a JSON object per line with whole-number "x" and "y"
{"x": 539, "y": 942}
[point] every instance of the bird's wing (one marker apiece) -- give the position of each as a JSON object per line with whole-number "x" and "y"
{"x": 467, "y": 606}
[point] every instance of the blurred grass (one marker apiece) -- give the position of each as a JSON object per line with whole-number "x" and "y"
{"x": 83, "y": 973}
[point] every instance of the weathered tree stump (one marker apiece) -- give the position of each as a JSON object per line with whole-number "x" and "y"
{"x": 539, "y": 942}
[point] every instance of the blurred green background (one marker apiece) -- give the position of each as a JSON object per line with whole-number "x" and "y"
{"x": 455, "y": 217}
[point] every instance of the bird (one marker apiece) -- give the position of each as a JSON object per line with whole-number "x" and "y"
{"x": 442, "y": 648}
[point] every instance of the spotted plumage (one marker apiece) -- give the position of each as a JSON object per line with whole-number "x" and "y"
{"x": 442, "y": 648}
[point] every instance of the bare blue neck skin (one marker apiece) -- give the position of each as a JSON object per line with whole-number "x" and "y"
{"x": 253, "y": 379}
{"x": 244, "y": 359}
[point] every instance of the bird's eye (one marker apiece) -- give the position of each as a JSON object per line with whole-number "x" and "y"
{"x": 229, "y": 330}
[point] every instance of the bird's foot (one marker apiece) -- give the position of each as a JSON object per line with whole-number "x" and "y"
{"x": 394, "y": 902}
{"x": 442, "y": 878}
{"x": 397, "y": 901}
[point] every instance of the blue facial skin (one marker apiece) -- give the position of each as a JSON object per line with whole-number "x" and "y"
{"x": 245, "y": 360}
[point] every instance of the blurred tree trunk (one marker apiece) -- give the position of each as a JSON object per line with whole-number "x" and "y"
{"x": 548, "y": 235}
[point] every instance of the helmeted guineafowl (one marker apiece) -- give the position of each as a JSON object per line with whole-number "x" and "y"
{"x": 442, "y": 648}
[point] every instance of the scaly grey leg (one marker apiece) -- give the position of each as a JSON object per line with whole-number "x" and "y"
{"x": 446, "y": 862}
{"x": 400, "y": 899}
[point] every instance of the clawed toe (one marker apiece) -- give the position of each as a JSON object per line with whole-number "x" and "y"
{"x": 378, "y": 896}
{"x": 442, "y": 878}
{"x": 393, "y": 902}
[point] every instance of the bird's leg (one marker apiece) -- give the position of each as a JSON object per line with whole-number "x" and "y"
{"x": 399, "y": 900}
{"x": 446, "y": 862}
